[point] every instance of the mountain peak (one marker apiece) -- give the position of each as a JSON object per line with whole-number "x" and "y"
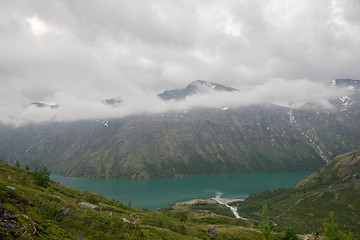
{"x": 197, "y": 86}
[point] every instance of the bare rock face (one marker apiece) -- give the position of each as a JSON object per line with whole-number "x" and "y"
{"x": 90, "y": 205}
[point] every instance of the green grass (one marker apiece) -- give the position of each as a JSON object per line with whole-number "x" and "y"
{"x": 52, "y": 211}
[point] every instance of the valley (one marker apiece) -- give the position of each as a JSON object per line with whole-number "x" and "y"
{"x": 180, "y": 120}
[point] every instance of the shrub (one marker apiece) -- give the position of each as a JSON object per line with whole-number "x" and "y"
{"x": 42, "y": 177}
{"x": 290, "y": 235}
{"x": 265, "y": 225}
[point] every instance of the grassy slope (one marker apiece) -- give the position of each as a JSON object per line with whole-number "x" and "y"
{"x": 31, "y": 212}
{"x": 336, "y": 187}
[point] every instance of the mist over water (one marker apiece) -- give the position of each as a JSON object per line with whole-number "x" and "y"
{"x": 158, "y": 193}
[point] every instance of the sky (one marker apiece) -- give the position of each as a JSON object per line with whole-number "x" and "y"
{"x": 78, "y": 53}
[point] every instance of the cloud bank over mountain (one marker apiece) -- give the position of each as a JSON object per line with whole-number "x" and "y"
{"x": 77, "y": 54}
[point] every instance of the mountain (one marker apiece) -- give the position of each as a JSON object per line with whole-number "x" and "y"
{"x": 335, "y": 187}
{"x": 195, "y": 87}
{"x": 115, "y": 102}
{"x": 42, "y": 105}
{"x": 253, "y": 138}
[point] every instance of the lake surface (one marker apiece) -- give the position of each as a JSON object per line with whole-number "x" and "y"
{"x": 157, "y": 193}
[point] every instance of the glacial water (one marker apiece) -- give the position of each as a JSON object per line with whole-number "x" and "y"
{"x": 157, "y": 193}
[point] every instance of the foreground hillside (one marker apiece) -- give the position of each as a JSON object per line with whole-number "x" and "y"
{"x": 335, "y": 187}
{"x": 33, "y": 207}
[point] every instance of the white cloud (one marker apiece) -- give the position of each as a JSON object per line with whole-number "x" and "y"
{"x": 295, "y": 94}
{"x": 37, "y": 26}
{"x": 92, "y": 50}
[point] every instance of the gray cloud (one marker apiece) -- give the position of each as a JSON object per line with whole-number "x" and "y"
{"x": 77, "y": 53}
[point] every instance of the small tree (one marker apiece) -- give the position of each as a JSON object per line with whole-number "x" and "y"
{"x": 17, "y": 164}
{"x": 265, "y": 225}
{"x": 42, "y": 177}
{"x": 332, "y": 231}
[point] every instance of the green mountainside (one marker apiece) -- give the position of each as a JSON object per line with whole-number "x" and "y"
{"x": 201, "y": 142}
{"x": 335, "y": 187}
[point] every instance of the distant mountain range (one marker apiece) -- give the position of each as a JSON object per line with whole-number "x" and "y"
{"x": 254, "y": 138}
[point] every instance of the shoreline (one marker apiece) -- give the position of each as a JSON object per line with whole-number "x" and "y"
{"x": 197, "y": 200}
{"x": 229, "y": 200}
{"x": 219, "y": 200}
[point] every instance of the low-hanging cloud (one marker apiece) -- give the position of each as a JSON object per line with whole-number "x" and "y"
{"x": 292, "y": 94}
{"x": 79, "y": 53}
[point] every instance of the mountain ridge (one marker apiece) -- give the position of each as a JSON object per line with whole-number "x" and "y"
{"x": 195, "y": 87}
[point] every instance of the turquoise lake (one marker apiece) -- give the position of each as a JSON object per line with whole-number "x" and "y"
{"x": 157, "y": 193}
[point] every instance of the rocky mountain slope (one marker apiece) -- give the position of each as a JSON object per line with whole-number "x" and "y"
{"x": 196, "y": 142}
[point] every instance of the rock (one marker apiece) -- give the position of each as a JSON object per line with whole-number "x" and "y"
{"x": 125, "y": 220}
{"x": 66, "y": 212}
{"x": 12, "y": 188}
{"x": 90, "y": 205}
{"x": 6, "y": 220}
{"x": 211, "y": 230}
{"x": 134, "y": 216}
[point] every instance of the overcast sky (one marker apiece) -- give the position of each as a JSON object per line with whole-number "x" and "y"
{"x": 77, "y": 53}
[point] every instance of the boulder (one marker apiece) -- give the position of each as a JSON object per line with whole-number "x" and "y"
{"x": 211, "y": 230}
{"x": 90, "y": 205}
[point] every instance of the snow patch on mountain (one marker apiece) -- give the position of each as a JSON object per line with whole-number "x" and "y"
{"x": 105, "y": 123}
